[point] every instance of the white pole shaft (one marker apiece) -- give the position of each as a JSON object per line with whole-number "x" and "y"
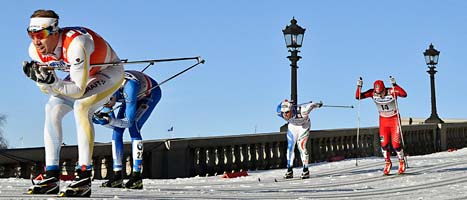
{"x": 126, "y": 62}
{"x": 337, "y": 106}
{"x": 399, "y": 124}
{"x": 358, "y": 122}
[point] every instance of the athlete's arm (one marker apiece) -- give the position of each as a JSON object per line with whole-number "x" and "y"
{"x": 78, "y": 55}
{"x": 310, "y": 106}
{"x": 362, "y": 95}
{"x": 398, "y": 91}
{"x": 130, "y": 91}
{"x": 33, "y": 54}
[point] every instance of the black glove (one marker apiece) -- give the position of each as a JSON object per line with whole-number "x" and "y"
{"x": 320, "y": 104}
{"x": 49, "y": 78}
{"x": 359, "y": 82}
{"x": 393, "y": 80}
{"x": 101, "y": 118}
{"x": 33, "y": 71}
{"x": 28, "y": 69}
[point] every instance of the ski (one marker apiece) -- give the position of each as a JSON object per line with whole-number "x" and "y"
{"x": 278, "y": 180}
{"x": 41, "y": 195}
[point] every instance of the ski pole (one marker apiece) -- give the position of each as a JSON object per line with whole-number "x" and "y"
{"x": 125, "y": 62}
{"x": 201, "y": 61}
{"x": 170, "y": 78}
{"x": 400, "y": 126}
{"x": 173, "y": 59}
{"x": 337, "y": 106}
{"x": 358, "y": 122}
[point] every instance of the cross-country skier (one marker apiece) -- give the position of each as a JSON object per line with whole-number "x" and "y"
{"x": 85, "y": 89}
{"x": 389, "y": 130}
{"x": 297, "y": 133}
{"x": 138, "y": 97}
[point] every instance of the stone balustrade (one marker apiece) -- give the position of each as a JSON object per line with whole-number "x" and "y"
{"x": 208, "y": 156}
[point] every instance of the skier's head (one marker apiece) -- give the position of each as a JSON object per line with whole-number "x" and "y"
{"x": 43, "y": 19}
{"x": 44, "y": 31}
{"x": 286, "y": 109}
{"x": 379, "y": 87}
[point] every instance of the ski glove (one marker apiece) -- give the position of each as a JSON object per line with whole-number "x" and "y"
{"x": 101, "y": 118}
{"x": 320, "y": 104}
{"x": 393, "y": 80}
{"x": 36, "y": 73}
{"x": 360, "y": 83}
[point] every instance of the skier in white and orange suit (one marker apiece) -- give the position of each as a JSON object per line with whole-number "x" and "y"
{"x": 389, "y": 130}
{"x": 86, "y": 88}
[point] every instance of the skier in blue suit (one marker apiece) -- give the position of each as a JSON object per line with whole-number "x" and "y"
{"x": 138, "y": 96}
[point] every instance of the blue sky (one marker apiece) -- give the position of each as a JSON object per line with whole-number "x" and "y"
{"x": 246, "y": 72}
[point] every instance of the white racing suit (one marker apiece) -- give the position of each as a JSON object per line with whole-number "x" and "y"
{"x": 86, "y": 89}
{"x": 298, "y": 131}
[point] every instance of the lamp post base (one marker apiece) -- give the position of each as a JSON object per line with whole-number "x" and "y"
{"x": 434, "y": 119}
{"x": 284, "y": 127}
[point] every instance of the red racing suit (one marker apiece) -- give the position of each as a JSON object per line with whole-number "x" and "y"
{"x": 389, "y": 130}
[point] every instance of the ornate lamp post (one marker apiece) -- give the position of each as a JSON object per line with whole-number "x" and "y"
{"x": 293, "y": 35}
{"x": 431, "y": 59}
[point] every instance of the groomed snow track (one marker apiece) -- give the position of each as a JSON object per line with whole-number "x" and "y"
{"x": 442, "y": 175}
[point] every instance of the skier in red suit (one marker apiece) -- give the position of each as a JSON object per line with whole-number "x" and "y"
{"x": 389, "y": 130}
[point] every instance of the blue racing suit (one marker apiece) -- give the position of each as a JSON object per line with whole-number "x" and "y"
{"x": 138, "y": 97}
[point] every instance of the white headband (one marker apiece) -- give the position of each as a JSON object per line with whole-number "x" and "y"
{"x": 39, "y": 23}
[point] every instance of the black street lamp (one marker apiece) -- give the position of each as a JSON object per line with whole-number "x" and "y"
{"x": 431, "y": 59}
{"x": 293, "y": 35}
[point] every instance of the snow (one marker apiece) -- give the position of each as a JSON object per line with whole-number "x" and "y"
{"x": 435, "y": 176}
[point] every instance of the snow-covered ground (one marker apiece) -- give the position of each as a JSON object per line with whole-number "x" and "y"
{"x": 436, "y": 176}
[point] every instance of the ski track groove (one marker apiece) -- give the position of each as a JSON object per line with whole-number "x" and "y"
{"x": 392, "y": 191}
{"x": 270, "y": 189}
{"x": 216, "y": 188}
{"x": 220, "y": 181}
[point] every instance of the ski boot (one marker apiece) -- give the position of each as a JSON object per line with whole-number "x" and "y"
{"x": 387, "y": 168}
{"x": 401, "y": 166}
{"x": 49, "y": 185}
{"x": 80, "y": 187}
{"x": 305, "y": 173}
{"x": 289, "y": 173}
{"x": 135, "y": 182}
{"x": 116, "y": 181}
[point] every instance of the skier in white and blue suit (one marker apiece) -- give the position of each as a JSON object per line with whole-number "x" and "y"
{"x": 138, "y": 96}
{"x": 297, "y": 132}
